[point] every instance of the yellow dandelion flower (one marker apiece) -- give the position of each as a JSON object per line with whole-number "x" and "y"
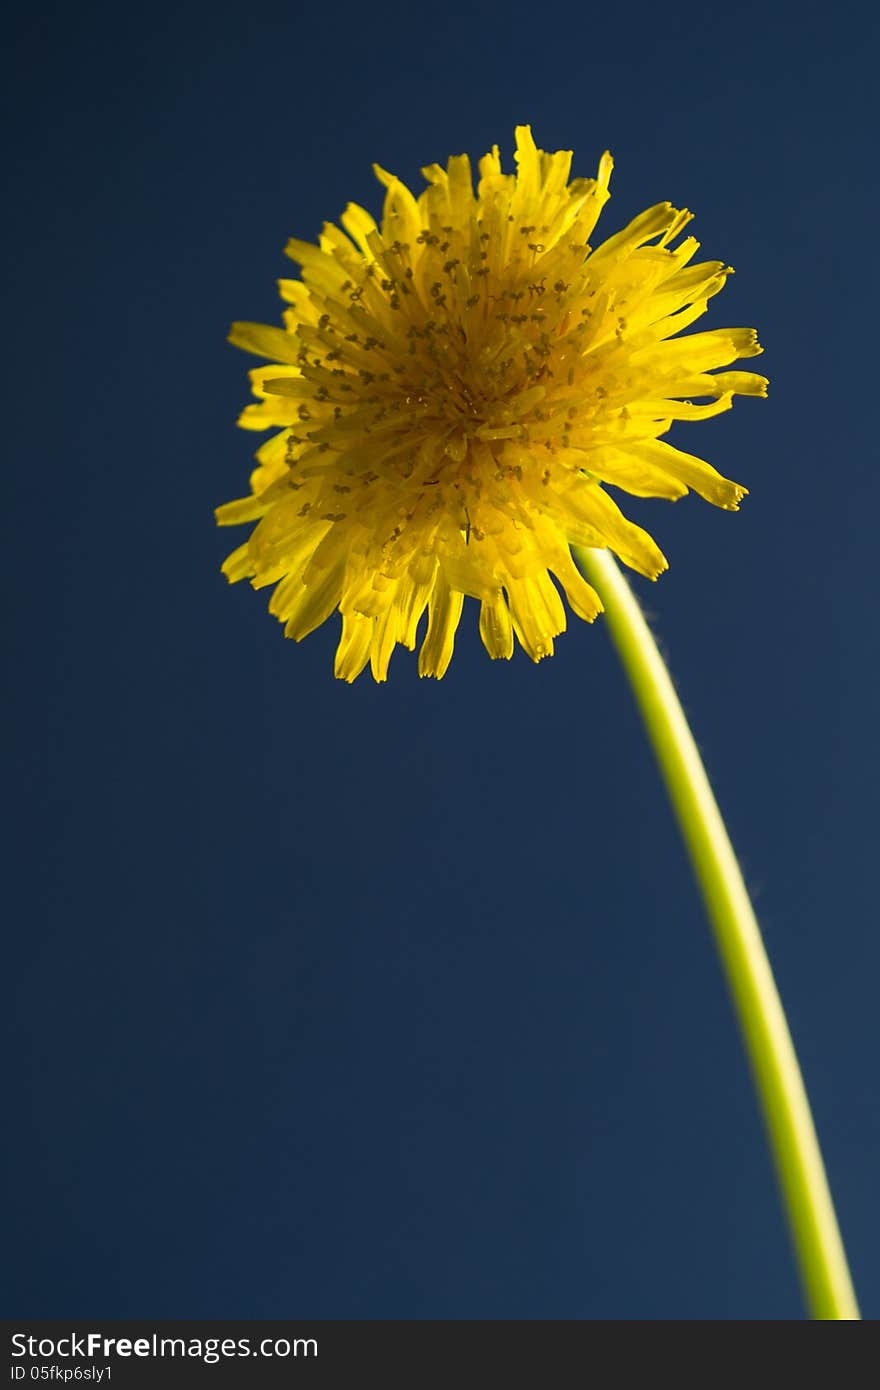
{"x": 455, "y": 388}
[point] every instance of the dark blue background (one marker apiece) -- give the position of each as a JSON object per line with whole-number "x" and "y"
{"x": 399, "y": 1001}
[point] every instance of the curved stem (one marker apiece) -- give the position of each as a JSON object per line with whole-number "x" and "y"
{"x": 783, "y": 1099}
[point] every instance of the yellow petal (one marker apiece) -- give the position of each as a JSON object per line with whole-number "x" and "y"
{"x": 353, "y": 651}
{"x": 496, "y": 629}
{"x": 693, "y": 472}
{"x": 265, "y": 341}
{"x": 444, "y": 616}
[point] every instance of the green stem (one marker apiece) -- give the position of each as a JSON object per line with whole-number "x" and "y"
{"x": 801, "y": 1172}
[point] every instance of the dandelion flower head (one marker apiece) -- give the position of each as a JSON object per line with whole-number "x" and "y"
{"x": 453, "y": 392}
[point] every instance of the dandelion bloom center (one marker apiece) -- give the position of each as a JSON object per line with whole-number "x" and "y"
{"x": 455, "y": 389}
